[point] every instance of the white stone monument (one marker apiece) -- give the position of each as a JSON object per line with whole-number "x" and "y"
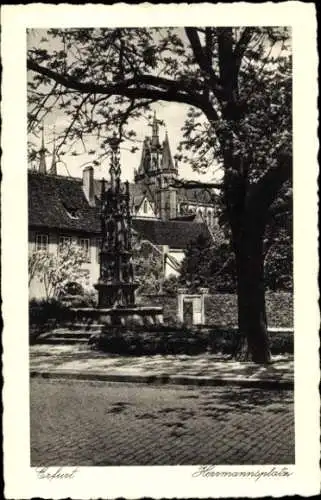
{"x": 197, "y": 301}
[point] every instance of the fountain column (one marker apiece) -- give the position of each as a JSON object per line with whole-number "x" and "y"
{"x": 116, "y": 286}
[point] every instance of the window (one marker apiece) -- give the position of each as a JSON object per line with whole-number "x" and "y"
{"x": 64, "y": 241}
{"x": 209, "y": 218}
{"x": 42, "y": 242}
{"x": 84, "y": 244}
{"x": 145, "y": 207}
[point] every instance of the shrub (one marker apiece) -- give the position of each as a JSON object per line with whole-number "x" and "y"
{"x": 170, "y": 286}
{"x": 46, "y": 314}
{"x": 86, "y": 299}
{"x": 163, "y": 340}
{"x": 73, "y": 288}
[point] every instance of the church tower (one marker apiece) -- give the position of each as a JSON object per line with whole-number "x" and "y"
{"x": 156, "y": 173}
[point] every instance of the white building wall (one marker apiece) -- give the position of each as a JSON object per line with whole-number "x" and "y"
{"x": 36, "y": 288}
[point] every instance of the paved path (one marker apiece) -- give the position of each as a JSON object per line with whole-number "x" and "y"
{"x": 81, "y": 423}
{"x": 78, "y": 361}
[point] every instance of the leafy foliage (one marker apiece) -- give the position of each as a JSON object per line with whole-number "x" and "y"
{"x": 56, "y": 271}
{"x": 212, "y": 265}
{"x": 209, "y": 264}
{"x": 148, "y": 266}
{"x": 100, "y": 78}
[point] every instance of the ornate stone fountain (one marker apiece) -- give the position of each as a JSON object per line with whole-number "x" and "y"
{"x": 116, "y": 285}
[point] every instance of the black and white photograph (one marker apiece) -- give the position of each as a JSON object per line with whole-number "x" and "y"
{"x": 160, "y": 231}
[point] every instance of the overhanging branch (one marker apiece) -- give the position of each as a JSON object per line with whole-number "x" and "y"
{"x": 139, "y": 87}
{"x": 241, "y": 46}
{"x": 181, "y": 183}
{"x": 203, "y": 61}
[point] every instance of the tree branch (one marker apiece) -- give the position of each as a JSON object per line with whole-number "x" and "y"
{"x": 203, "y": 61}
{"x": 241, "y": 46}
{"x": 225, "y": 56}
{"x": 181, "y": 183}
{"x": 142, "y": 86}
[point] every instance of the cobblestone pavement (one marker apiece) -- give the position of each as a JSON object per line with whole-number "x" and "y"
{"x": 82, "y": 423}
{"x": 81, "y": 359}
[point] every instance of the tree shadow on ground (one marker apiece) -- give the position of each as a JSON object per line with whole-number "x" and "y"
{"x": 250, "y": 400}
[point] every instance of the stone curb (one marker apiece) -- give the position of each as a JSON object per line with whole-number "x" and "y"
{"x": 164, "y": 379}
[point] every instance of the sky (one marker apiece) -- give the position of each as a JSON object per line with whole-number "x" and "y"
{"x": 173, "y": 116}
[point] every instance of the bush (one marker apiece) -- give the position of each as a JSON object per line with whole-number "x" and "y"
{"x": 45, "y": 315}
{"x": 86, "y": 299}
{"x": 73, "y": 288}
{"x": 41, "y": 311}
{"x": 163, "y": 340}
{"x": 170, "y": 286}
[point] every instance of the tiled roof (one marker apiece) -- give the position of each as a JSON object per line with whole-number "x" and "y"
{"x": 53, "y": 199}
{"x": 58, "y": 203}
{"x": 174, "y": 233}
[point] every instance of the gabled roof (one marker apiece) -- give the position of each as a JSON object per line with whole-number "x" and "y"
{"x": 51, "y": 199}
{"x": 174, "y": 233}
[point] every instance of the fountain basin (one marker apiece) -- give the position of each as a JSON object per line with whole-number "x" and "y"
{"x": 122, "y": 316}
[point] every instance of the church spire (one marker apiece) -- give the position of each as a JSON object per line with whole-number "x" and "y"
{"x": 42, "y": 152}
{"x": 53, "y": 168}
{"x": 167, "y": 160}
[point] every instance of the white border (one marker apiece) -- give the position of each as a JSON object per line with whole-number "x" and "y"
{"x": 135, "y": 482}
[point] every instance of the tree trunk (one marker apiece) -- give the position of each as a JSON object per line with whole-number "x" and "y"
{"x": 254, "y": 340}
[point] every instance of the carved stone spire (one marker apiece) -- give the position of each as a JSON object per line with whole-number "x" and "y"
{"x": 114, "y": 169}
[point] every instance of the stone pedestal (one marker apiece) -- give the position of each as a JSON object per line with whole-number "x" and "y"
{"x": 119, "y": 316}
{"x": 116, "y": 294}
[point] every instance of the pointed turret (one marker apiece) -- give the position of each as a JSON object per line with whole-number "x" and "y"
{"x": 144, "y": 155}
{"x": 53, "y": 168}
{"x": 42, "y": 153}
{"x": 167, "y": 160}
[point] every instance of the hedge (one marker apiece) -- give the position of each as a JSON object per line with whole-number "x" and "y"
{"x": 165, "y": 341}
{"x": 221, "y": 308}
